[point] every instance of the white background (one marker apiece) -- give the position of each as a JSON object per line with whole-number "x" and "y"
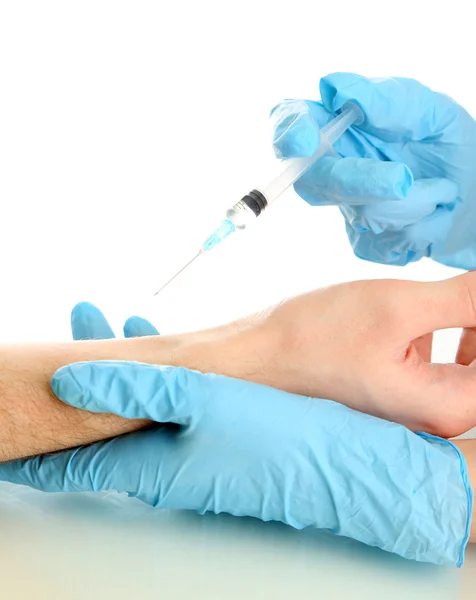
{"x": 126, "y": 130}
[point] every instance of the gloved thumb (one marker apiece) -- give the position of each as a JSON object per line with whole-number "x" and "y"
{"x": 129, "y": 389}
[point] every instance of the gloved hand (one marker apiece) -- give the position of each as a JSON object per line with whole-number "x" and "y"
{"x": 89, "y": 323}
{"x": 405, "y": 179}
{"x": 250, "y": 450}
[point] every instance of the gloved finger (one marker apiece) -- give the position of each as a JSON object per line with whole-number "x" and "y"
{"x": 45, "y": 472}
{"x": 89, "y": 323}
{"x": 466, "y": 353}
{"x": 150, "y": 464}
{"x": 395, "y": 109}
{"x": 297, "y": 126}
{"x": 138, "y": 327}
{"x": 132, "y": 390}
{"x": 354, "y": 181}
{"x": 92, "y": 468}
{"x": 399, "y": 248}
{"x": 422, "y": 200}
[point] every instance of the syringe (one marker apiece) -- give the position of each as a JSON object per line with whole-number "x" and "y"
{"x": 240, "y": 215}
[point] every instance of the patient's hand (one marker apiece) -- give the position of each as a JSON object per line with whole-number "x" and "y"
{"x": 367, "y": 344}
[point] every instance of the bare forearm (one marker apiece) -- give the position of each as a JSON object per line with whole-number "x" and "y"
{"x": 34, "y": 421}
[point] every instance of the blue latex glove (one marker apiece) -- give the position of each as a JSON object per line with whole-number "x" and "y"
{"x": 405, "y": 179}
{"x": 249, "y": 450}
{"x": 89, "y": 323}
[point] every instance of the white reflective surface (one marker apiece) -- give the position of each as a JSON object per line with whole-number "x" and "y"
{"x": 106, "y": 546}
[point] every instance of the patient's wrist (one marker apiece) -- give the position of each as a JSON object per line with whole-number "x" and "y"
{"x": 241, "y": 350}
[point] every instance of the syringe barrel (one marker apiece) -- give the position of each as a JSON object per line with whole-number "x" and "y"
{"x": 351, "y": 114}
{"x": 244, "y": 212}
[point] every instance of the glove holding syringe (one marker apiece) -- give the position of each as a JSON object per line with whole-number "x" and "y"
{"x": 239, "y": 216}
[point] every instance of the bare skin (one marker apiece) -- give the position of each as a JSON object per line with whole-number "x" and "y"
{"x": 33, "y": 421}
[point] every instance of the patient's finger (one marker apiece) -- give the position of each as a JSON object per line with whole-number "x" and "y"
{"x": 445, "y": 394}
{"x": 467, "y": 347}
{"x": 424, "y": 346}
{"x": 430, "y": 306}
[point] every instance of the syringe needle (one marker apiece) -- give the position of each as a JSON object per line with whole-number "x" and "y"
{"x": 178, "y": 273}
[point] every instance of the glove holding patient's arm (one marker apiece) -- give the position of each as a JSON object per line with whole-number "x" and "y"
{"x": 252, "y": 450}
{"x": 405, "y": 179}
